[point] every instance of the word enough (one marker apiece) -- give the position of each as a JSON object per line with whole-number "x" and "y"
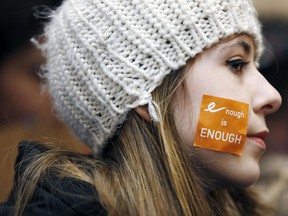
{"x": 235, "y": 113}
{"x": 220, "y": 135}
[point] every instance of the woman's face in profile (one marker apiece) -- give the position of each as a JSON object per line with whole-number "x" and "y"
{"x": 227, "y": 70}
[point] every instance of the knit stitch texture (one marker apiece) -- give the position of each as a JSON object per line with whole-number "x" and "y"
{"x": 105, "y": 57}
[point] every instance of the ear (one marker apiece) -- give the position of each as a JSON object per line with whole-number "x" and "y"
{"x": 143, "y": 112}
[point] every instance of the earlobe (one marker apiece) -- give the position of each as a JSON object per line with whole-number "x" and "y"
{"x": 143, "y": 112}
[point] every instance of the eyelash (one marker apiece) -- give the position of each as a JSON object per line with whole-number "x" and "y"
{"x": 237, "y": 65}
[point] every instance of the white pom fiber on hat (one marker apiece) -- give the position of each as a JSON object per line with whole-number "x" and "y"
{"x": 105, "y": 57}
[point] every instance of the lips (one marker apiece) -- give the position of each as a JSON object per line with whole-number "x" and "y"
{"x": 259, "y": 138}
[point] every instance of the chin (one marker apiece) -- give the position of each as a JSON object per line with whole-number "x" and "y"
{"x": 228, "y": 170}
{"x": 240, "y": 179}
{"x": 246, "y": 181}
{"x": 236, "y": 175}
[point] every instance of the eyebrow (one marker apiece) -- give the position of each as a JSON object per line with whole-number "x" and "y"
{"x": 246, "y": 47}
{"x": 243, "y": 44}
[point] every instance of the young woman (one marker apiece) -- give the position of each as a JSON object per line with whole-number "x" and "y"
{"x": 168, "y": 96}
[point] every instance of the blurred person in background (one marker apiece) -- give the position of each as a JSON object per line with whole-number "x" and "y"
{"x": 273, "y": 181}
{"x": 25, "y": 113}
{"x": 20, "y": 59}
{"x": 274, "y": 68}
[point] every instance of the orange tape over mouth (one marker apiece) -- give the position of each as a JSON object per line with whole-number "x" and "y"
{"x": 222, "y": 125}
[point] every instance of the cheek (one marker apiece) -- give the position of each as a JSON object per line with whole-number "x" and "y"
{"x": 219, "y": 167}
{"x": 186, "y": 114}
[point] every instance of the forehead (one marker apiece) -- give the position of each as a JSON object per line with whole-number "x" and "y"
{"x": 244, "y": 41}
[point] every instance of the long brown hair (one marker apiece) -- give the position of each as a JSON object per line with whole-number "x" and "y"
{"x": 146, "y": 170}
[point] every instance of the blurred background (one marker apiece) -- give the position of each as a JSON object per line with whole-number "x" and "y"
{"x": 25, "y": 112}
{"x": 273, "y": 182}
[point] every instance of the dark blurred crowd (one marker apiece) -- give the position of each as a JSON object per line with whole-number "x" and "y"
{"x": 274, "y": 66}
{"x": 25, "y": 111}
{"x": 273, "y": 182}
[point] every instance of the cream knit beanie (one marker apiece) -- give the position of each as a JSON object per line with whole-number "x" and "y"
{"x": 105, "y": 57}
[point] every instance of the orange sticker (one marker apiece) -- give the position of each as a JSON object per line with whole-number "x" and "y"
{"x": 222, "y": 125}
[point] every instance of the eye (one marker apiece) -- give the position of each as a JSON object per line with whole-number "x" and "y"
{"x": 237, "y": 65}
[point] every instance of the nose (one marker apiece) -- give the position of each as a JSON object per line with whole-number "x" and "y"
{"x": 267, "y": 99}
